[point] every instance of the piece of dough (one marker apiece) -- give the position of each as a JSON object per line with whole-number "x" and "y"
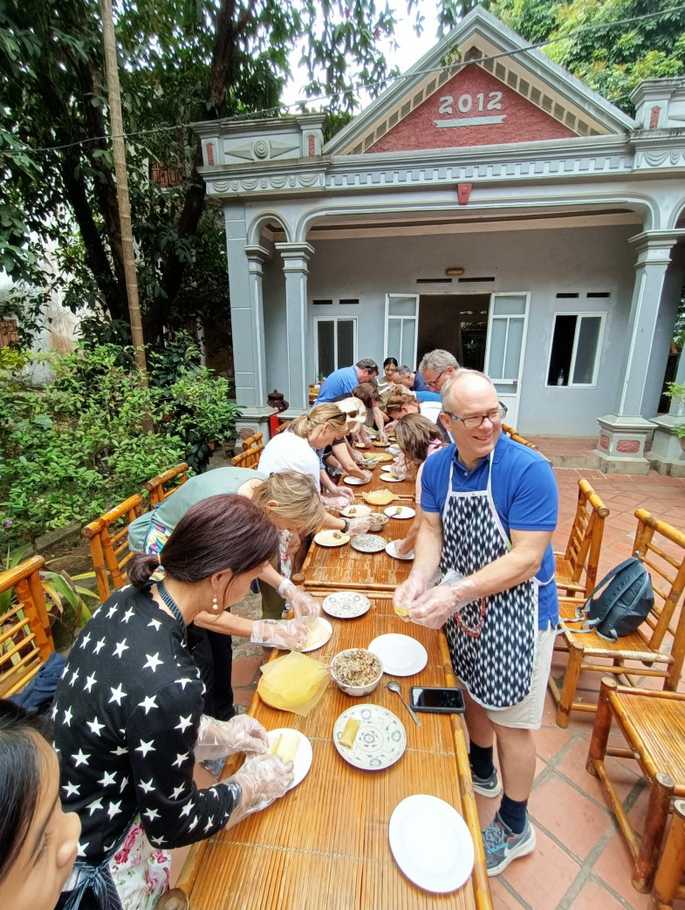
{"x": 349, "y": 733}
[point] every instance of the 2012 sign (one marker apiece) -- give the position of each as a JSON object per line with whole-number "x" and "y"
{"x": 469, "y": 102}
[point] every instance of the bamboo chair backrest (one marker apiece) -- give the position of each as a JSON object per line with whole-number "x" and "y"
{"x": 161, "y": 486}
{"x": 248, "y": 458}
{"x": 108, "y": 541}
{"x": 511, "y": 432}
{"x": 257, "y": 439}
{"x": 25, "y": 636}
{"x": 585, "y": 537}
{"x": 662, "y": 549}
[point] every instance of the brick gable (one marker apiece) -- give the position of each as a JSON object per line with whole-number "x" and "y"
{"x": 472, "y": 108}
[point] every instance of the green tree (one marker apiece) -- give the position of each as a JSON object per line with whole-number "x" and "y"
{"x": 612, "y": 60}
{"x": 180, "y": 61}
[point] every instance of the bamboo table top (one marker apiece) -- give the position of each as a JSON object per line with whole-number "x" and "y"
{"x": 325, "y": 844}
{"x": 343, "y": 568}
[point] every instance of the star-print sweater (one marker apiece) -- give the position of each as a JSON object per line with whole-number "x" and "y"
{"x": 126, "y": 716}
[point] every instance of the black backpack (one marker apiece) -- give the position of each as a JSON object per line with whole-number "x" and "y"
{"x": 620, "y": 603}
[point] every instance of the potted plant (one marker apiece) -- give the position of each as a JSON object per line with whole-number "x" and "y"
{"x": 676, "y": 392}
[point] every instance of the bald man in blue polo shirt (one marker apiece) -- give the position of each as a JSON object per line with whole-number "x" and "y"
{"x": 489, "y": 510}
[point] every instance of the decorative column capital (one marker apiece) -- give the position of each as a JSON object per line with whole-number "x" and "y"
{"x": 295, "y": 255}
{"x": 256, "y": 257}
{"x": 654, "y": 247}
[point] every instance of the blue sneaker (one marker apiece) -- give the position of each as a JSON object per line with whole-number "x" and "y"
{"x": 487, "y": 786}
{"x": 502, "y": 845}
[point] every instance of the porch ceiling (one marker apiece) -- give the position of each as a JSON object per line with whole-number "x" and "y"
{"x": 426, "y": 222}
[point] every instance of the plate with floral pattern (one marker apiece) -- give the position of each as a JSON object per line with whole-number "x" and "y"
{"x": 368, "y": 543}
{"x": 346, "y": 604}
{"x": 380, "y": 740}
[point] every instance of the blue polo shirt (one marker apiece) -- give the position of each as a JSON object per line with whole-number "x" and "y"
{"x": 340, "y": 382}
{"x": 525, "y": 494}
{"x": 419, "y": 383}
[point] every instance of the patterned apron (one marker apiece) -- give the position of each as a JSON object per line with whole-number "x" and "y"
{"x": 492, "y": 641}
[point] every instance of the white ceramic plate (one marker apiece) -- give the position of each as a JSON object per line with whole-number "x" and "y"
{"x": 390, "y": 478}
{"x": 399, "y": 512}
{"x": 394, "y": 450}
{"x": 356, "y": 511}
{"x": 303, "y": 757}
{"x": 380, "y": 741}
{"x": 319, "y": 634}
{"x": 346, "y": 604}
{"x": 328, "y": 538}
{"x": 354, "y": 481}
{"x": 391, "y": 550}
{"x": 431, "y": 843}
{"x": 401, "y": 655}
{"x": 368, "y": 543}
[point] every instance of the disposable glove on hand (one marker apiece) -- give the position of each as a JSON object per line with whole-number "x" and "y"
{"x": 359, "y": 525}
{"x": 262, "y": 779}
{"x": 408, "y": 592}
{"x": 219, "y": 738}
{"x": 434, "y": 608}
{"x": 289, "y": 634}
{"x": 302, "y": 603}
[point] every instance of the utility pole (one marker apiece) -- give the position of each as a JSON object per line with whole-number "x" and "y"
{"x": 123, "y": 202}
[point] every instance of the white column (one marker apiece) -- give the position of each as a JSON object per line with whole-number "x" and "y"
{"x": 296, "y": 258}
{"x": 256, "y": 257}
{"x": 644, "y": 350}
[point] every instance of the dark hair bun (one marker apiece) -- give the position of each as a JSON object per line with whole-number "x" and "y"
{"x": 141, "y": 568}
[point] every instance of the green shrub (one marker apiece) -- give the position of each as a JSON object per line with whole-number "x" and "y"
{"x": 94, "y": 434}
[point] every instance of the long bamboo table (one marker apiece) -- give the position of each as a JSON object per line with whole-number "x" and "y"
{"x": 325, "y": 844}
{"x": 345, "y": 569}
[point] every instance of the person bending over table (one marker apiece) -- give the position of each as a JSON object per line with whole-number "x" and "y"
{"x": 293, "y": 504}
{"x": 129, "y": 713}
{"x": 341, "y": 382}
{"x": 437, "y": 368}
{"x": 295, "y": 449}
{"x": 489, "y": 510}
{"x": 368, "y": 393}
{"x": 418, "y": 438}
{"x": 38, "y": 841}
{"x": 389, "y": 374}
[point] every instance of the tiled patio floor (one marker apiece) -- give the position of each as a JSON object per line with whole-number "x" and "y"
{"x": 580, "y": 861}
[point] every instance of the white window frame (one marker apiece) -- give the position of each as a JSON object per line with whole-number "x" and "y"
{"x": 334, "y": 319}
{"x": 389, "y": 316}
{"x": 508, "y": 317}
{"x": 579, "y": 314}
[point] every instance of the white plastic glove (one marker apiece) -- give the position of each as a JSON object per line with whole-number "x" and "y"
{"x": 407, "y": 593}
{"x": 302, "y": 603}
{"x": 262, "y": 779}
{"x": 289, "y": 634}
{"x": 359, "y": 525}
{"x": 434, "y": 608}
{"x": 219, "y": 738}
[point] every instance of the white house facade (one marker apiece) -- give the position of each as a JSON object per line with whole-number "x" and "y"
{"x": 488, "y": 203}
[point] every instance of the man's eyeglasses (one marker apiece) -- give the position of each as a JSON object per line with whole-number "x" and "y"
{"x": 433, "y": 383}
{"x": 472, "y": 423}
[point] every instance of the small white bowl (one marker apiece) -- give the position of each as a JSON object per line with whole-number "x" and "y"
{"x": 356, "y": 691}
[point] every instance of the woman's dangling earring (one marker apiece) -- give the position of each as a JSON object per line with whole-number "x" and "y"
{"x": 215, "y": 605}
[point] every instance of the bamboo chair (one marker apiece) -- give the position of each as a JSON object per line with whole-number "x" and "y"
{"x": 108, "y": 542}
{"x": 160, "y": 487}
{"x": 581, "y": 556}
{"x": 511, "y": 432}
{"x": 249, "y": 458}
{"x": 25, "y": 635}
{"x": 668, "y": 883}
{"x": 660, "y": 640}
{"x": 257, "y": 439}
{"x": 653, "y": 724}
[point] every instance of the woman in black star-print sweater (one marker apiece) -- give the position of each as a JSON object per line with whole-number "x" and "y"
{"x": 128, "y": 713}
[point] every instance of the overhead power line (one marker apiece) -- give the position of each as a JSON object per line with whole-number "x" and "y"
{"x": 31, "y": 150}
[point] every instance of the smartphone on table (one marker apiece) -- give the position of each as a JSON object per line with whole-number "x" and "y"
{"x": 437, "y": 700}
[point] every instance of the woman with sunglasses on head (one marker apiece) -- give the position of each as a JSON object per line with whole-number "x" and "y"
{"x": 38, "y": 841}
{"x": 129, "y": 713}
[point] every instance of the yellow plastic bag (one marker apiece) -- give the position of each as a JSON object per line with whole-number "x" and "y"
{"x": 294, "y": 683}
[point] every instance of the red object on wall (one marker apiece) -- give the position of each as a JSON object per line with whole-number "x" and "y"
{"x": 464, "y": 193}
{"x": 210, "y": 153}
{"x": 485, "y": 111}
{"x": 628, "y": 446}
{"x": 654, "y": 117}
{"x": 311, "y": 146}
{"x": 274, "y": 424}
{"x": 604, "y": 441}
